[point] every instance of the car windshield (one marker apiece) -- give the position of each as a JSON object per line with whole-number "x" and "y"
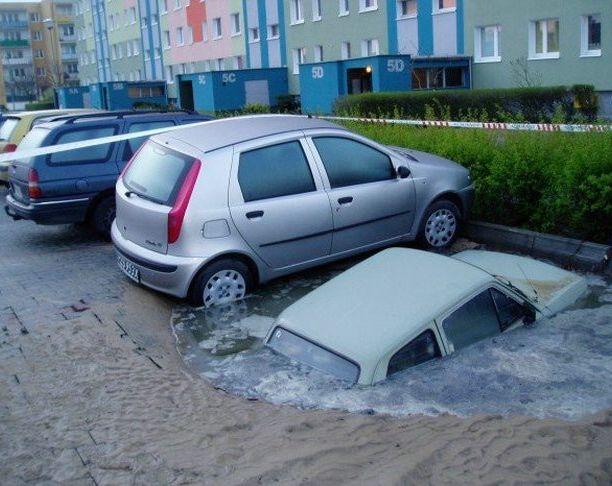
{"x": 300, "y": 349}
{"x": 34, "y": 139}
{"x": 156, "y": 173}
{"x": 7, "y": 128}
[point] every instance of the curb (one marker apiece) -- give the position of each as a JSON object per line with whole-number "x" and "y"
{"x": 581, "y": 255}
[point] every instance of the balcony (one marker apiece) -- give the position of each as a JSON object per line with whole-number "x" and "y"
{"x": 17, "y": 61}
{"x": 67, "y": 38}
{"x": 14, "y": 43}
{"x": 13, "y": 25}
{"x": 69, "y": 56}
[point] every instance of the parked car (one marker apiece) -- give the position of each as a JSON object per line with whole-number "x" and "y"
{"x": 211, "y": 211}
{"x": 403, "y": 307}
{"x": 15, "y": 126}
{"x": 79, "y": 185}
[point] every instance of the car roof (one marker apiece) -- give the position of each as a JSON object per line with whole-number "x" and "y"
{"x": 225, "y": 132}
{"x": 382, "y": 303}
{"x": 41, "y": 113}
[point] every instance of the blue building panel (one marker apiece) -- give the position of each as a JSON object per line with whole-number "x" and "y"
{"x": 322, "y": 83}
{"x": 231, "y": 90}
{"x": 71, "y": 97}
{"x": 124, "y": 95}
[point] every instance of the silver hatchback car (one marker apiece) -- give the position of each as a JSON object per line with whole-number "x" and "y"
{"x": 208, "y": 212}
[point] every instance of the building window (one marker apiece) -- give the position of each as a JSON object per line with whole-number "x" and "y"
{"x": 204, "y": 31}
{"x": 590, "y": 30}
{"x": 164, "y": 6}
{"x": 40, "y": 71}
{"x": 318, "y": 54}
{"x": 406, "y": 9}
{"x": 189, "y": 35}
{"x": 169, "y": 75}
{"x": 235, "y": 21}
{"x": 238, "y": 62}
{"x": 177, "y": 4}
{"x": 442, "y": 6}
{"x": 217, "y": 31}
{"x": 273, "y": 31}
{"x": 544, "y": 39}
{"x": 299, "y": 57}
{"x": 219, "y": 64}
{"x": 438, "y": 78}
{"x": 254, "y": 34}
{"x": 343, "y": 8}
{"x": 368, "y": 5}
{"x": 345, "y": 50}
{"x": 486, "y": 44}
{"x": 316, "y": 10}
{"x": 166, "y": 39}
{"x": 39, "y": 54}
{"x": 180, "y": 40}
{"x": 35, "y": 17}
{"x": 135, "y": 47}
{"x": 37, "y": 35}
{"x": 297, "y": 12}
{"x": 369, "y": 47}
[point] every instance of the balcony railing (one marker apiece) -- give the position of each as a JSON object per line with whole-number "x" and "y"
{"x": 13, "y": 25}
{"x": 14, "y": 43}
{"x": 15, "y": 61}
{"x": 67, "y": 38}
{"x": 69, "y": 56}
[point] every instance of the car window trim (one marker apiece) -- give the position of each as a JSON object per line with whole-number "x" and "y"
{"x": 235, "y": 197}
{"x": 126, "y": 129}
{"x": 349, "y": 136}
{"x": 423, "y": 331}
{"x": 72, "y": 128}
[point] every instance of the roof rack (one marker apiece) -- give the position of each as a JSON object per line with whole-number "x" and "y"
{"x": 116, "y": 114}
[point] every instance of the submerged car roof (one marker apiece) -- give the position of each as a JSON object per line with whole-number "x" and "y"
{"x": 382, "y": 302}
{"x": 225, "y": 132}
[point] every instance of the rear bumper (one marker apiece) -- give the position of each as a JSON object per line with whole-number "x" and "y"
{"x": 48, "y": 212}
{"x": 167, "y": 273}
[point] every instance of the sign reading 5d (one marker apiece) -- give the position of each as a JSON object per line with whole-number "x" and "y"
{"x": 318, "y": 72}
{"x": 396, "y": 65}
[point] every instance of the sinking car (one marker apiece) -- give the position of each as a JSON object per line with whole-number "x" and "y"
{"x": 403, "y": 307}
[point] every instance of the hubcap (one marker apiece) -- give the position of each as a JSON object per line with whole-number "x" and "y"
{"x": 223, "y": 287}
{"x": 440, "y": 227}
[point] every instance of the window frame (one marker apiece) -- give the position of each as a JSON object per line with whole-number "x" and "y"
{"x": 236, "y": 194}
{"x": 486, "y": 287}
{"x": 432, "y": 328}
{"x": 296, "y": 12}
{"x": 364, "y": 8}
{"x": 342, "y": 11}
{"x": 317, "y": 5}
{"x": 436, "y": 10}
{"x": 546, "y": 54}
{"x": 584, "y": 36}
{"x": 401, "y": 16}
{"x": 478, "y": 32}
{"x": 71, "y": 128}
{"x": 311, "y": 136}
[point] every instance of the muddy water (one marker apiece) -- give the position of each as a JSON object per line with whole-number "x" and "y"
{"x": 560, "y": 367}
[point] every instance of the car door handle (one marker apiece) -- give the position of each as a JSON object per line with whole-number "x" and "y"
{"x": 254, "y": 214}
{"x": 345, "y": 200}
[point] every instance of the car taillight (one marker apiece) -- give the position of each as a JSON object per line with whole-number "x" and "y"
{"x": 177, "y": 213}
{"x": 10, "y": 147}
{"x": 33, "y": 188}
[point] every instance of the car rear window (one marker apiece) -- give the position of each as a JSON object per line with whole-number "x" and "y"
{"x": 34, "y": 139}
{"x": 300, "y": 349}
{"x": 7, "y": 128}
{"x": 157, "y": 172}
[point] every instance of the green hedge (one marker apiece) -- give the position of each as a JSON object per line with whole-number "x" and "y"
{"x": 552, "y": 182}
{"x": 535, "y": 105}
{"x": 40, "y": 105}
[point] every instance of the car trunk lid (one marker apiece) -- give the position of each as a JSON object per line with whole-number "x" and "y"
{"x": 153, "y": 194}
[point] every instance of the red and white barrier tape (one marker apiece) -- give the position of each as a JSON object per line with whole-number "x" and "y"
{"x": 533, "y": 127}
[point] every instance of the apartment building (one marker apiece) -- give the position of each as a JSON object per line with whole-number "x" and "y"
{"x": 37, "y": 48}
{"x": 543, "y": 43}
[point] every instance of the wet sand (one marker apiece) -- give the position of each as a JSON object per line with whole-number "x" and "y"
{"x": 102, "y": 398}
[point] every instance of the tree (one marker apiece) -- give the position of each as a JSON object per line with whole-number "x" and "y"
{"x": 522, "y": 74}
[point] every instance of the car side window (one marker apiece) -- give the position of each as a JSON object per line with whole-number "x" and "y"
{"x": 131, "y": 146}
{"x": 274, "y": 171}
{"x": 508, "y": 309}
{"x": 473, "y": 321}
{"x": 96, "y": 153}
{"x": 422, "y": 348}
{"x": 349, "y": 162}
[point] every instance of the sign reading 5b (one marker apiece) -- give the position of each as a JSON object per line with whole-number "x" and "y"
{"x": 318, "y": 72}
{"x": 396, "y": 65}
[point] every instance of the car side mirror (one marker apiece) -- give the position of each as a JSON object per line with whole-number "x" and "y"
{"x": 403, "y": 172}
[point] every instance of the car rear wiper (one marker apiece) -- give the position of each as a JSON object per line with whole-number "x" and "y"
{"x": 129, "y": 194}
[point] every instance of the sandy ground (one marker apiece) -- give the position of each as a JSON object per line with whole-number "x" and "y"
{"x": 90, "y": 401}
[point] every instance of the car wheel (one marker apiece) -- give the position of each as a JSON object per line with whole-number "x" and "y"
{"x": 440, "y": 225}
{"x": 221, "y": 282}
{"x": 103, "y": 216}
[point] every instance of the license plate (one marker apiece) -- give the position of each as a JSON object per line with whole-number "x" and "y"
{"x": 129, "y": 269}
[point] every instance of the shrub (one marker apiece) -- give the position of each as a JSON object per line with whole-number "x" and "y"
{"x": 553, "y": 182}
{"x": 288, "y": 104}
{"x": 40, "y": 105}
{"x": 145, "y": 105}
{"x": 535, "y": 105}
{"x": 255, "y": 108}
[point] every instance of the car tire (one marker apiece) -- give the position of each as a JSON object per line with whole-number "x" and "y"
{"x": 223, "y": 281}
{"x": 103, "y": 215}
{"x": 439, "y": 226}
